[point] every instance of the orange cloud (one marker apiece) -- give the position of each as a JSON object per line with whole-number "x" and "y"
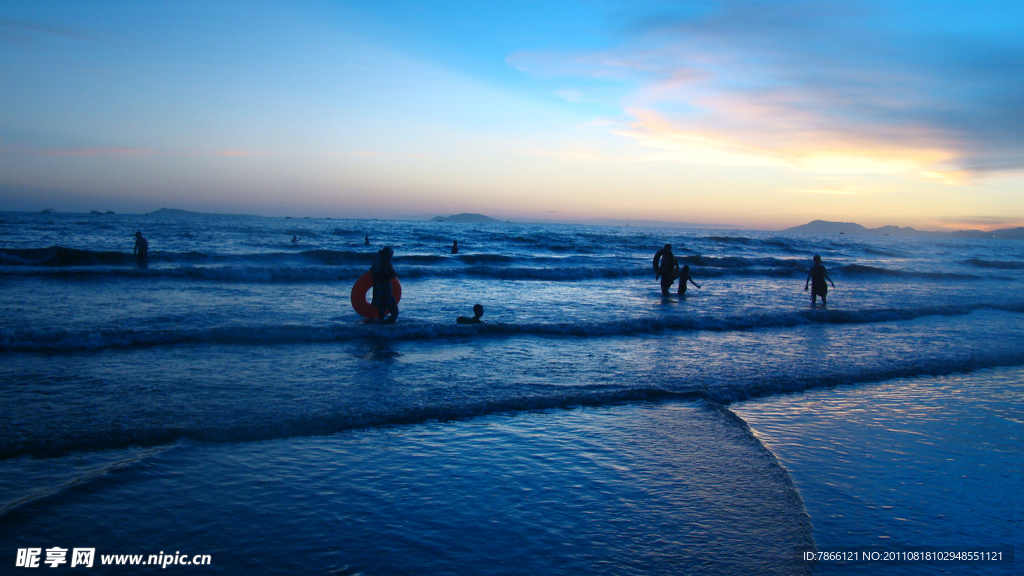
{"x": 784, "y": 142}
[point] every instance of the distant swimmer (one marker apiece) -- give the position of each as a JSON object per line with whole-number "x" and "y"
{"x": 383, "y": 296}
{"x": 478, "y": 311}
{"x": 295, "y": 239}
{"x": 666, "y": 267}
{"x": 684, "y": 275}
{"x": 455, "y": 246}
{"x": 816, "y": 277}
{"x": 141, "y": 250}
{"x": 367, "y": 241}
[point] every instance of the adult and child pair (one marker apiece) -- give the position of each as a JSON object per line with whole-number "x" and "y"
{"x": 666, "y": 266}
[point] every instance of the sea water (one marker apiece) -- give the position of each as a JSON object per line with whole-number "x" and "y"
{"x": 226, "y": 400}
{"x": 905, "y": 464}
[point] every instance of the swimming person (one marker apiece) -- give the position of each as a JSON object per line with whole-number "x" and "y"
{"x": 382, "y": 272}
{"x": 684, "y": 275}
{"x": 478, "y": 311}
{"x": 295, "y": 239}
{"x": 667, "y": 268}
{"x": 816, "y": 277}
{"x": 455, "y": 246}
{"x": 141, "y": 250}
{"x": 367, "y": 241}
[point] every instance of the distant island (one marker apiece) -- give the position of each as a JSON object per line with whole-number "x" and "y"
{"x": 465, "y": 218}
{"x": 1004, "y": 234}
{"x": 826, "y": 227}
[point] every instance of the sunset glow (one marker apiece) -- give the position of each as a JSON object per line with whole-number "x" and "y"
{"x": 737, "y": 112}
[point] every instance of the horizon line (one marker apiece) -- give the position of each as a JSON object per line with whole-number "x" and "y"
{"x": 605, "y": 222}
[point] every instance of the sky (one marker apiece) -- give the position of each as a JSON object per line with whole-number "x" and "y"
{"x": 741, "y": 113}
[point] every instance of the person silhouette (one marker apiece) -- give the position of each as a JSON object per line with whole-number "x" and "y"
{"x": 817, "y": 277}
{"x": 367, "y": 241}
{"x": 666, "y": 267}
{"x": 382, "y": 272}
{"x": 455, "y": 246}
{"x": 478, "y": 311}
{"x": 684, "y": 275}
{"x": 141, "y": 250}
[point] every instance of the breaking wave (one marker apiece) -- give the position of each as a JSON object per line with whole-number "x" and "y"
{"x": 261, "y": 334}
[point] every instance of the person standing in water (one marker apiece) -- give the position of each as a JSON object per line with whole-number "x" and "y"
{"x": 382, "y": 272}
{"x": 816, "y": 277}
{"x": 684, "y": 275}
{"x": 141, "y": 250}
{"x": 455, "y": 246}
{"x": 666, "y": 267}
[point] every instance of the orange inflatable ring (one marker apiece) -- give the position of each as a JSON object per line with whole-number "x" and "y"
{"x": 362, "y": 286}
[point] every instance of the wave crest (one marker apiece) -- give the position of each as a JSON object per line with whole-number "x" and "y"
{"x": 256, "y": 334}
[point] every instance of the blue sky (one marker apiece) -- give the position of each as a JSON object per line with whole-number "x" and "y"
{"x": 746, "y": 113}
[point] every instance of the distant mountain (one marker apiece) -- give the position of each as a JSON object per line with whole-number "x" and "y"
{"x": 897, "y": 231}
{"x": 466, "y": 219}
{"x": 825, "y": 227}
{"x": 1005, "y": 233}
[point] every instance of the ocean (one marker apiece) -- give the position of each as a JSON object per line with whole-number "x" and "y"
{"x": 225, "y": 405}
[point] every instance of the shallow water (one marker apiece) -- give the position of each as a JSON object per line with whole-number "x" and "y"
{"x": 906, "y": 463}
{"x": 227, "y": 400}
{"x": 617, "y": 490}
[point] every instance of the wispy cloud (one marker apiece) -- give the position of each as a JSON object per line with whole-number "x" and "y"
{"x": 710, "y": 143}
{"x": 99, "y": 152}
{"x": 859, "y": 86}
{"x": 987, "y": 223}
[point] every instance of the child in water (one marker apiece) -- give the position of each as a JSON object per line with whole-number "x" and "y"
{"x": 684, "y": 275}
{"x": 816, "y": 277}
{"x": 478, "y": 311}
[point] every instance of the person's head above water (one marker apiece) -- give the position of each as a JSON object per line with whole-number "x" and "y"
{"x": 817, "y": 259}
{"x": 387, "y": 252}
{"x": 478, "y": 310}
{"x": 138, "y": 234}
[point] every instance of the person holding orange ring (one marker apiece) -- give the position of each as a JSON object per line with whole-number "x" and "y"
{"x": 384, "y": 301}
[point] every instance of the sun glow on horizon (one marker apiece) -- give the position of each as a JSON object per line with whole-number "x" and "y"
{"x": 735, "y": 113}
